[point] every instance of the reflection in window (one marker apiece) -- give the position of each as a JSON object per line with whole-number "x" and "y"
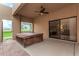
{"x": 26, "y": 27}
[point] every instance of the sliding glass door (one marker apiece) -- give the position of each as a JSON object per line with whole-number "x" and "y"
{"x": 7, "y": 30}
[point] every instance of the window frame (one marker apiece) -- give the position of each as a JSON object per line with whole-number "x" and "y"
{"x": 25, "y": 31}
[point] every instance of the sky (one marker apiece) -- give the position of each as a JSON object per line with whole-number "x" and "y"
{"x": 7, "y": 1}
{"x": 8, "y": 4}
{"x": 7, "y": 24}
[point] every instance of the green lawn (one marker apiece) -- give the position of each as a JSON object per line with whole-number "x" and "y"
{"x": 7, "y": 35}
{"x": 25, "y": 30}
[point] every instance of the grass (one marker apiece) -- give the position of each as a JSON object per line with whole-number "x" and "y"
{"x": 25, "y": 30}
{"x": 7, "y": 35}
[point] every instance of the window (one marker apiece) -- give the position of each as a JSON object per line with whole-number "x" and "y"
{"x": 26, "y": 27}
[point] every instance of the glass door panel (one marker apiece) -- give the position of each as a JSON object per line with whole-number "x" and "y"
{"x": 68, "y": 29}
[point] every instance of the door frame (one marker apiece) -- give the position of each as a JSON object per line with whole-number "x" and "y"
{"x": 1, "y": 31}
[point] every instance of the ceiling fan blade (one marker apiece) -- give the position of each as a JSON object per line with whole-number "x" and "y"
{"x": 37, "y": 11}
{"x": 46, "y": 12}
{"x": 42, "y": 10}
{"x": 41, "y": 6}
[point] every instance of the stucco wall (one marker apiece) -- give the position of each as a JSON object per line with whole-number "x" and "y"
{"x": 41, "y": 23}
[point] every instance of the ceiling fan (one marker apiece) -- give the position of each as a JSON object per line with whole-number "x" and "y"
{"x": 42, "y": 11}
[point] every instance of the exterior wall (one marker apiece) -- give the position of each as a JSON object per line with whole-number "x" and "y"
{"x": 41, "y": 23}
{"x": 78, "y": 23}
{"x": 24, "y": 19}
{"x": 16, "y": 26}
